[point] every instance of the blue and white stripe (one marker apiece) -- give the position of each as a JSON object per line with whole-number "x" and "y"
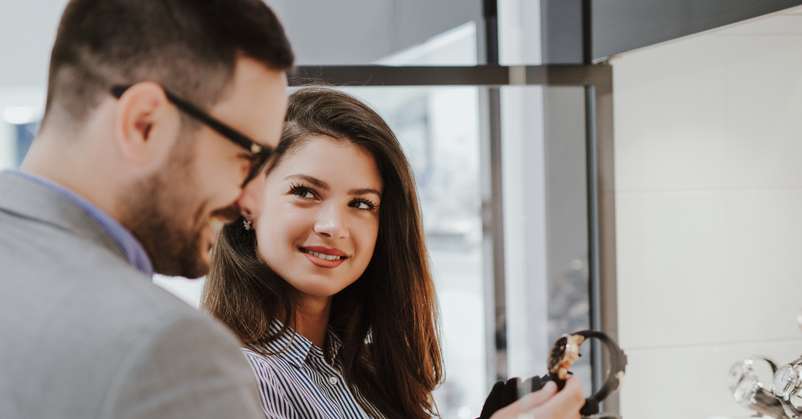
{"x": 297, "y": 381}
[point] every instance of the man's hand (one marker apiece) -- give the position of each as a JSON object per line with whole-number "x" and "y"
{"x": 545, "y": 404}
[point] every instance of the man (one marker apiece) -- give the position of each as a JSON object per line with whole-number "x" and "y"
{"x": 158, "y": 114}
{"x": 128, "y": 176}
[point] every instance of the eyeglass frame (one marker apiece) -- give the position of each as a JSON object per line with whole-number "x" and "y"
{"x": 259, "y": 153}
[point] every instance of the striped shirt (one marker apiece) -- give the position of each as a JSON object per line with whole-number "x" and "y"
{"x": 299, "y": 380}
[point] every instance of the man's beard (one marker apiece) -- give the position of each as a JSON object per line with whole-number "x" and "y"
{"x": 159, "y": 213}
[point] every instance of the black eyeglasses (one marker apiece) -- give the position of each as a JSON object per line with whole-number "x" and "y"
{"x": 259, "y": 154}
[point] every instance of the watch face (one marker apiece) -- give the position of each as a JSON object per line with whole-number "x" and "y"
{"x": 786, "y": 382}
{"x": 557, "y": 352}
{"x": 563, "y": 355}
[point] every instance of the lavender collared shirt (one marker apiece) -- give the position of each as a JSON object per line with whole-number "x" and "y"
{"x": 130, "y": 246}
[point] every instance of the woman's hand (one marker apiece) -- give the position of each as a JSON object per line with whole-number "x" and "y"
{"x": 547, "y": 403}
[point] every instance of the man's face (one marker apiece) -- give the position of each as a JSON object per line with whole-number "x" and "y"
{"x": 176, "y": 213}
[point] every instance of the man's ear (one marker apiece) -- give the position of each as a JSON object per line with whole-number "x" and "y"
{"x": 146, "y": 124}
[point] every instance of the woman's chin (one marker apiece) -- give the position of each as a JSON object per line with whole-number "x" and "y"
{"x": 317, "y": 287}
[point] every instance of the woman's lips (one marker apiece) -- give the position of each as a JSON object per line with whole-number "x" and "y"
{"x": 324, "y": 257}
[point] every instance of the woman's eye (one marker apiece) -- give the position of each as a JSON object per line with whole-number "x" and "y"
{"x": 363, "y": 205}
{"x": 303, "y": 192}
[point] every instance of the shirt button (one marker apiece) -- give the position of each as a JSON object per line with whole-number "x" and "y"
{"x": 333, "y": 381}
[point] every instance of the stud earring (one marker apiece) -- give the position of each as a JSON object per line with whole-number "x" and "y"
{"x": 247, "y": 225}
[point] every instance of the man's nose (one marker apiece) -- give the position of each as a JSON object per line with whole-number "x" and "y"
{"x": 250, "y": 198}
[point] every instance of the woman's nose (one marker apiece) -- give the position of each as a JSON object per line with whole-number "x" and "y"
{"x": 331, "y": 223}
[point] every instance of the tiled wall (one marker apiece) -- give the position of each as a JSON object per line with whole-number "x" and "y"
{"x": 709, "y": 212}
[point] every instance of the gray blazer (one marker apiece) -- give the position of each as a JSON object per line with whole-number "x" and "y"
{"x": 85, "y": 335}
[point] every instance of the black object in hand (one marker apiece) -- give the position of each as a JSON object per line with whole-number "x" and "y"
{"x": 506, "y": 392}
{"x": 562, "y": 357}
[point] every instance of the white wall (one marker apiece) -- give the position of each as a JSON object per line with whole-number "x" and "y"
{"x": 709, "y": 212}
{"x": 27, "y": 30}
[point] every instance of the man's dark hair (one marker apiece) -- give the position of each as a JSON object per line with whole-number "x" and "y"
{"x": 188, "y": 46}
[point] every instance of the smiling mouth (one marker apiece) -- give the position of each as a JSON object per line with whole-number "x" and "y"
{"x": 323, "y": 256}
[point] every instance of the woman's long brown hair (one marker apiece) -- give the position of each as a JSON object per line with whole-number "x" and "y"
{"x": 387, "y": 319}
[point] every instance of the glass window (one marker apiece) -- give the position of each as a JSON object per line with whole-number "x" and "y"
{"x": 17, "y": 130}
{"x": 359, "y": 32}
{"x": 545, "y": 224}
{"x": 439, "y": 130}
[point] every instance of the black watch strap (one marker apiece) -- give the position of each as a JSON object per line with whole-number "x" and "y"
{"x": 506, "y": 392}
{"x": 618, "y": 364}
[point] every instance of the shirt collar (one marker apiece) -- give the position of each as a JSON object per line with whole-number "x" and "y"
{"x": 129, "y": 245}
{"x": 297, "y": 349}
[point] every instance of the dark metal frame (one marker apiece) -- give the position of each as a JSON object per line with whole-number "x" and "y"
{"x": 599, "y": 75}
{"x": 597, "y": 82}
{"x": 493, "y": 207}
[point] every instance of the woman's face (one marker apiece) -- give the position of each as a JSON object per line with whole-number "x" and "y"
{"x": 319, "y": 215}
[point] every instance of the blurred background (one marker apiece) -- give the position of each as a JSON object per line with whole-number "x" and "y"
{"x": 678, "y": 233}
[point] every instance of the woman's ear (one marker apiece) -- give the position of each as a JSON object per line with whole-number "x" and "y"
{"x": 146, "y": 125}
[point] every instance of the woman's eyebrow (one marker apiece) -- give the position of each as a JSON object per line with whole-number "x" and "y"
{"x": 313, "y": 180}
{"x": 365, "y": 191}
{"x": 323, "y": 185}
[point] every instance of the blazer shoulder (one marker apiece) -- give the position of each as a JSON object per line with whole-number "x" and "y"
{"x": 189, "y": 367}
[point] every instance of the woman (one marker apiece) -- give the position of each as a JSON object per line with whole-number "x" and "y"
{"x": 326, "y": 279}
{"x": 329, "y": 287}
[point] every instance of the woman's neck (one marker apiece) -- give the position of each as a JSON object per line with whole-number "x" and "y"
{"x": 312, "y": 319}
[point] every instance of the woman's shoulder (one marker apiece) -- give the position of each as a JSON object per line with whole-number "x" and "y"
{"x": 269, "y": 369}
{"x": 260, "y": 360}
{"x": 259, "y": 356}
{"x": 251, "y": 353}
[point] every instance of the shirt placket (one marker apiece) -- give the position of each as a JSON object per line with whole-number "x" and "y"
{"x": 333, "y": 382}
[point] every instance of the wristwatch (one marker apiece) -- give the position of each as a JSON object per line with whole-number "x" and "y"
{"x": 788, "y": 380}
{"x": 788, "y": 387}
{"x": 566, "y": 351}
{"x": 749, "y": 392}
